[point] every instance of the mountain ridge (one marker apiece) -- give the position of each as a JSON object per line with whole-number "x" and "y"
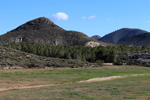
{"x": 121, "y": 34}
{"x": 137, "y": 40}
{"x": 43, "y": 31}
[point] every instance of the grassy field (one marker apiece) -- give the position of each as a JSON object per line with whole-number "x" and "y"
{"x": 65, "y": 88}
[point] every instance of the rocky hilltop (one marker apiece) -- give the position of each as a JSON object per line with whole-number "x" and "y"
{"x": 44, "y": 31}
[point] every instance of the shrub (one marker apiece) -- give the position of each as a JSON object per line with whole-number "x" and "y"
{"x": 100, "y": 62}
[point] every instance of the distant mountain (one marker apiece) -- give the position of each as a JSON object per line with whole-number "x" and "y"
{"x": 138, "y": 40}
{"x": 96, "y": 37}
{"x": 44, "y": 31}
{"x": 120, "y": 35}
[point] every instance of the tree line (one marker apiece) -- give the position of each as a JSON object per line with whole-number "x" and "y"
{"x": 100, "y": 53}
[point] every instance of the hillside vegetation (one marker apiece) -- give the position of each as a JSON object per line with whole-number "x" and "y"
{"x": 99, "y": 54}
{"x": 10, "y": 57}
{"x": 135, "y": 58}
{"x": 105, "y": 54}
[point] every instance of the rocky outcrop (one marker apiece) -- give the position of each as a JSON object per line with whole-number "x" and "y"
{"x": 92, "y": 44}
{"x": 134, "y": 58}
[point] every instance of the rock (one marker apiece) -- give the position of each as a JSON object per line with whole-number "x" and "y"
{"x": 92, "y": 44}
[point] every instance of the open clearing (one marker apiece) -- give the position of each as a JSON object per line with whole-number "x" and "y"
{"x": 84, "y": 81}
{"x": 125, "y": 82}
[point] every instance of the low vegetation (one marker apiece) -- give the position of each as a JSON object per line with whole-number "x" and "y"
{"x": 65, "y": 87}
{"x": 100, "y": 54}
{"x": 107, "y": 54}
{"x": 10, "y": 57}
{"x": 134, "y": 58}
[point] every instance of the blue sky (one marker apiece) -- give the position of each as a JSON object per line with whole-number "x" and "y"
{"x": 92, "y": 17}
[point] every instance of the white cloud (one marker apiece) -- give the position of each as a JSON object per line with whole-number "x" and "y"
{"x": 60, "y": 16}
{"x": 148, "y": 21}
{"x": 91, "y": 17}
{"x": 108, "y": 19}
{"x": 84, "y": 17}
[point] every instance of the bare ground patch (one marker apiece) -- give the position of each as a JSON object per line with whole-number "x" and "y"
{"x": 108, "y": 78}
{"x": 25, "y": 87}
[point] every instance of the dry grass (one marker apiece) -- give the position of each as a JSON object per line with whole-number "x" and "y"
{"x": 29, "y": 77}
{"x": 133, "y": 87}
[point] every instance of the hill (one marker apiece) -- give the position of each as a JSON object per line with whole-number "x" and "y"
{"x": 96, "y": 37}
{"x": 120, "y": 35}
{"x": 138, "y": 40}
{"x": 44, "y": 31}
{"x": 11, "y": 57}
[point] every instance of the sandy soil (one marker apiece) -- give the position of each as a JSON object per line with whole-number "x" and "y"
{"x": 25, "y": 87}
{"x": 107, "y": 78}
